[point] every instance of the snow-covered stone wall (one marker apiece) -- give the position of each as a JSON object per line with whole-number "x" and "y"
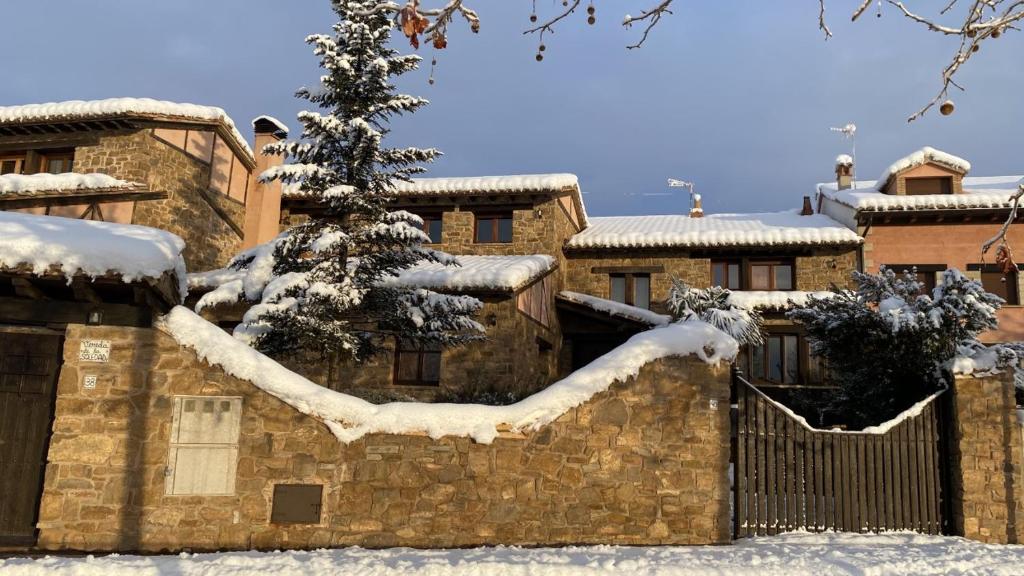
{"x": 643, "y": 460}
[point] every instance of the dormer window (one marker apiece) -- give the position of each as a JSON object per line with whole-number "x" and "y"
{"x": 930, "y": 185}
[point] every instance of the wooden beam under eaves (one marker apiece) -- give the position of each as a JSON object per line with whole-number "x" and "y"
{"x": 26, "y": 289}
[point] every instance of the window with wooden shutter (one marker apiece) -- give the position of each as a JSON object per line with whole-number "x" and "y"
{"x": 204, "y": 445}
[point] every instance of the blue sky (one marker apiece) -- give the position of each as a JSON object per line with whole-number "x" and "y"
{"x": 737, "y": 96}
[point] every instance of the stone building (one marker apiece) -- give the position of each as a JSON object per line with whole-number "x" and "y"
{"x": 179, "y": 167}
{"x": 926, "y": 213}
{"x": 609, "y": 280}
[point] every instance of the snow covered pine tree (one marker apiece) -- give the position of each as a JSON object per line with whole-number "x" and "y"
{"x": 322, "y": 286}
{"x": 889, "y": 343}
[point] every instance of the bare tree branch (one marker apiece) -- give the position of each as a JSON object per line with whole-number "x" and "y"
{"x": 981, "y": 20}
{"x": 652, "y": 16}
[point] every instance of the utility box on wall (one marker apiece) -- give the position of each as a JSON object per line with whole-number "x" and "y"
{"x": 203, "y": 454}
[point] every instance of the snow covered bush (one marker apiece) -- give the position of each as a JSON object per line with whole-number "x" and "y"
{"x": 321, "y": 286}
{"x": 711, "y": 305}
{"x": 889, "y": 343}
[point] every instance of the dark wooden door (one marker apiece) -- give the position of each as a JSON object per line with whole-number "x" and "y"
{"x": 29, "y": 365}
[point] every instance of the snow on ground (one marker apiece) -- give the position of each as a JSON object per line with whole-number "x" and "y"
{"x": 79, "y": 109}
{"x": 795, "y": 554}
{"x": 349, "y": 418}
{"x": 787, "y": 228}
{"x": 22, "y": 184}
{"x": 613, "y": 308}
{"x": 90, "y": 248}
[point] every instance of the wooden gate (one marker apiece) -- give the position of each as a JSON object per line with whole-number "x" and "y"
{"x": 788, "y": 476}
{"x": 29, "y": 365}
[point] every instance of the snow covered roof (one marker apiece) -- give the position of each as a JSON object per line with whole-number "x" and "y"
{"x": 27, "y": 185}
{"x": 121, "y": 107}
{"x": 618, "y": 309}
{"x": 518, "y": 184}
{"x": 48, "y": 244}
{"x": 478, "y": 273}
{"x": 350, "y": 418}
{"x": 787, "y": 228}
{"x": 978, "y": 192}
{"x": 773, "y": 299}
{"x": 923, "y": 156}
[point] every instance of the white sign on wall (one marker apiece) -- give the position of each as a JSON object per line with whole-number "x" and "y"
{"x": 94, "y": 351}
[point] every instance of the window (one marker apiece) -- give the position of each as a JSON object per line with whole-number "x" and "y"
{"x": 930, "y": 185}
{"x": 785, "y": 359}
{"x": 417, "y": 365}
{"x": 12, "y": 164}
{"x": 771, "y": 276}
{"x": 995, "y": 281}
{"x": 493, "y": 228}
{"x": 204, "y": 445}
{"x": 924, "y": 273}
{"x": 632, "y": 289}
{"x": 726, "y": 274}
{"x": 57, "y": 162}
{"x": 432, "y": 225}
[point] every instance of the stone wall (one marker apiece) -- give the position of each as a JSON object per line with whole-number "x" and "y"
{"x": 642, "y": 463}
{"x": 816, "y": 272}
{"x": 987, "y": 461}
{"x": 509, "y": 359}
{"x": 541, "y": 229}
{"x": 140, "y": 157}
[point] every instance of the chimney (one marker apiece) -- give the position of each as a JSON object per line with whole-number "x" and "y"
{"x": 263, "y": 204}
{"x": 697, "y": 211}
{"x": 807, "y": 210}
{"x": 844, "y": 171}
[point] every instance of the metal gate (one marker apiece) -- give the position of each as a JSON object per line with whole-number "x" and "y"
{"x": 789, "y": 476}
{"x": 29, "y": 365}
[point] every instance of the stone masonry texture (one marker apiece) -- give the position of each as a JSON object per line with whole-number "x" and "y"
{"x": 643, "y": 463}
{"x": 986, "y": 455}
{"x": 138, "y": 156}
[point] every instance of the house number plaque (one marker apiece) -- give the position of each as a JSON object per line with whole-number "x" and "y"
{"x": 94, "y": 351}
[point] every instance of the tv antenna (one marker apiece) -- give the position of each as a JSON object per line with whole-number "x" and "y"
{"x": 849, "y": 132}
{"x": 673, "y": 183}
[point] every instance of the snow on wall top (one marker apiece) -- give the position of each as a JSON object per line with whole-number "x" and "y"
{"x": 32, "y": 183}
{"x": 350, "y": 418}
{"x": 81, "y": 109}
{"x": 614, "y": 308}
{"x": 90, "y": 248}
{"x": 923, "y": 156}
{"x": 773, "y": 299}
{"x": 767, "y": 229}
{"x": 477, "y": 273}
{"x": 978, "y": 192}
